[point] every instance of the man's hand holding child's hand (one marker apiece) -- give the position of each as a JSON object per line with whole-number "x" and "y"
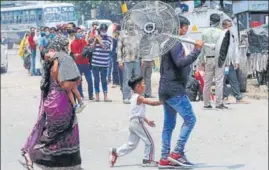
{"x": 151, "y": 123}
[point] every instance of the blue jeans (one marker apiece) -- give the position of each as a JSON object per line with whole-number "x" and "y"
{"x": 130, "y": 70}
{"x": 97, "y": 73}
{"x": 233, "y": 81}
{"x": 115, "y": 72}
{"x": 109, "y": 69}
{"x": 120, "y": 74}
{"x": 85, "y": 69}
{"x": 172, "y": 106}
{"x": 32, "y": 59}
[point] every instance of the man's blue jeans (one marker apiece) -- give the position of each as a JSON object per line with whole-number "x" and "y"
{"x": 97, "y": 73}
{"x": 32, "y": 66}
{"x": 120, "y": 74}
{"x": 109, "y": 69}
{"x": 115, "y": 72}
{"x": 85, "y": 69}
{"x": 232, "y": 78}
{"x": 130, "y": 70}
{"x": 172, "y": 106}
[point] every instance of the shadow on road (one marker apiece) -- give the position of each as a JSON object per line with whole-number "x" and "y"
{"x": 203, "y": 165}
{"x": 130, "y": 165}
{"x": 197, "y": 166}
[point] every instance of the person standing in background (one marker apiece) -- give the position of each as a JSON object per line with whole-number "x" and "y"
{"x": 44, "y": 42}
{"x": 32, "y": 46}
{"x": 100, "y": 62}
{"x": 71, "y": 36}
{"x": 38, "y": 53}
{"x": 208, "y": 60}
{"x": 147, "y": 64}
{"x": 25, "y": 53}
{"x": 129, "y": 61}
{"x": 115, "y": 68}
{"x": 77, "y": 47}
{"x": 52, "y": 32}
{"x": 109, "y": 70}
{"x": 232, "y": 65}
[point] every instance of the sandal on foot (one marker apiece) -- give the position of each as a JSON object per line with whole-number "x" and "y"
{"x": 28, "y": 163}
{"x": 107, "y": 100}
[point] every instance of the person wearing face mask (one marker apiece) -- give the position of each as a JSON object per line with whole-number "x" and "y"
{"x": 77, "y": 47}
{"x": 232, "y": 65}
{"x": 52, "y": 31}
{"x": 71, "y": 35}
{"x": 44, "y": 42}
{"x": 64, "y": 30}
{"x": 100, "y": 61}
{"x": 32, "y": 47}
{"x": 38, "y": 53}
{"x": 115, "y": 66}
{"x": 129, "y": 61}
{"x": 42, "y": 33}
{"x": 208, "y": 60}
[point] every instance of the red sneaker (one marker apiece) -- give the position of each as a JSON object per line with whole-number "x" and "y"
{"x": 179, "y": 160}
{"x": 165, "y": 164}
{"x": 112, "y": 156}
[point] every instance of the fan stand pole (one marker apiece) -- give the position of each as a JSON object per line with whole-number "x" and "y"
{"x": 212, "y": 46}
{"x": 157, "y": 7}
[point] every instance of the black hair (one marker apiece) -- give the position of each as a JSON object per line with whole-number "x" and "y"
{"x": 183, "y": 21}
{"x": 45, "y": 81}
{"x": 103, "y": 26}
{"x": 53, "y": 28}
{"x": 225, "y": 22}
{"x": 73, "y": 24}
{"x": 46, "y": 28}
{"x": 41, "y": 28}
{"x": 95, "y": 23}
{"x": 215, "y": 18}
{"x": 134, "y": 82}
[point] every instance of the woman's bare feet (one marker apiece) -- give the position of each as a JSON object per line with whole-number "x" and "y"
{"x": 28, "y": 161}
{"x": 106, "y": 98}
{"x": 97, "y": 97}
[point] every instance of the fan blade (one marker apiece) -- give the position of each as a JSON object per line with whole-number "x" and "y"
{"x": 139, "y": 18}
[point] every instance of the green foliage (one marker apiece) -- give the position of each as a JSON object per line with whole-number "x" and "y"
{"x": 105, "y": 8}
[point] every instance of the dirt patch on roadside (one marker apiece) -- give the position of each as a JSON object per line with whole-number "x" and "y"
{"x": 256, "y": 92}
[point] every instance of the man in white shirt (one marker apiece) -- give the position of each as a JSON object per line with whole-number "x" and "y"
{"x": 232, "y": 63}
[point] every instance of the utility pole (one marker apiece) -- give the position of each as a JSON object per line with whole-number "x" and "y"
{"x": 93, "y": 11}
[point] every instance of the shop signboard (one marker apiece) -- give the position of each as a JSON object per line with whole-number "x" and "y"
{"x": 258, "y": 5}
{"x": 242, "y": 6}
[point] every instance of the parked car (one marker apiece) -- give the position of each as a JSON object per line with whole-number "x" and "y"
{"x": 4, "y": 58}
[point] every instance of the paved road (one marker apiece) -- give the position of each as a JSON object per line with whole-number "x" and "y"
{"x": 234, "y": 139}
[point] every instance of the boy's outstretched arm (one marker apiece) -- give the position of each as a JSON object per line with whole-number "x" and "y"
{"x": 143, "y": 100}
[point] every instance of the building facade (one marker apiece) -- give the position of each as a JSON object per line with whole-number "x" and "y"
{"x": 250, "y": 14}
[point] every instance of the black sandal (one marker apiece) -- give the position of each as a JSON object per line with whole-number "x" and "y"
{"x": 28, "y": 165}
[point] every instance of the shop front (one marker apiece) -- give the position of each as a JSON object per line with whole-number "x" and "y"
{"x": 250, "y": 14}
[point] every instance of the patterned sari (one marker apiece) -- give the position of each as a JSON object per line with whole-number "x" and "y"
{"x": 54, "y": 140}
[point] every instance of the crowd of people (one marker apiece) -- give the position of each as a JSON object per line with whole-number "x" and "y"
{"x": 68, "y": 52}
{"x": 106, "y": 62}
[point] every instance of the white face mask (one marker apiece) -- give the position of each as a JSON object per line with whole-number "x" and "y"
{"x": 103, "y": 33}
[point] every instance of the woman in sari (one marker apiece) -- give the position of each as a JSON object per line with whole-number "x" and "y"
{"x": 24, "y": 52}
{"x": 54, "y": 140}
